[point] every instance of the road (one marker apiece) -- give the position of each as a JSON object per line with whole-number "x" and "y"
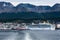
{"x": 31, "y": 35}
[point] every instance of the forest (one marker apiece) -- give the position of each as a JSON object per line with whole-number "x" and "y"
{"x": 29, "y": 16}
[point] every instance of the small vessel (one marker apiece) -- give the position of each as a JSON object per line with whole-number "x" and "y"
{"x": 20, "y": 27}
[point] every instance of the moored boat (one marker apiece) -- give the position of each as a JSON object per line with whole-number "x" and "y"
{"x": 41, "y": 26}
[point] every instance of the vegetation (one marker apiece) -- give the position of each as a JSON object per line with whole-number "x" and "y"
{"x": 24, "y": 16}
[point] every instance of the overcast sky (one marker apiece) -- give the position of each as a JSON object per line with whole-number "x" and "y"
{"x": 35, "y": 2}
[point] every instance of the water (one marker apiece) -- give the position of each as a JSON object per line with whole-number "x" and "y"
{"x": 30, "y": 35}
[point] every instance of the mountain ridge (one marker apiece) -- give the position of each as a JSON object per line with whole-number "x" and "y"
{"x": 8, "y": 7}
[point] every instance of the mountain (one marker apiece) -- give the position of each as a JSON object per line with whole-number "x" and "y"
{"x": 43, "y": 9}
{"x": 56, "y": 7}
{"x": 32, "y": 8}
{"x": 39, "y": 9}
{"x": 25, "y": 7}
{"x": 8, "y": 7}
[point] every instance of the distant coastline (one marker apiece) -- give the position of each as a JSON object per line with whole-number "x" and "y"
{"x": 28, "y": 12}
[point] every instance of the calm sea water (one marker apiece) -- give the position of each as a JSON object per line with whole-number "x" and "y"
{"x": 30, "y": 35}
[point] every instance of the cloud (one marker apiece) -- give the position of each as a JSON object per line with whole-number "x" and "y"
{"x": 35, "y": 2}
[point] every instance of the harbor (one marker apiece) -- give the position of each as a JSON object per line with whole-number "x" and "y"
{"x": 28, "y": 26}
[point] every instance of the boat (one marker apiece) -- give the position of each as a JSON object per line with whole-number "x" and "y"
{"x": 41, "y": 26}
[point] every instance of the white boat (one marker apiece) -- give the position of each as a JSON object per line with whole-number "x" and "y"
{"x": 41, "y": 26}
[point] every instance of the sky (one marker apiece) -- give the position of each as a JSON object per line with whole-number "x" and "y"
{"x": 34, "y": 2}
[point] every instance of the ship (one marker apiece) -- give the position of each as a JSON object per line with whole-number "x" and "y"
{"x": 41, "y": 26}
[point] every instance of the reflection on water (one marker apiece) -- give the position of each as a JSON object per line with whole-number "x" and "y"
{"x": 27, "y": 36}
{"x": 13, "y": 36}
{"x": 30, "y": 35}
{"x": 20, "y": 35}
